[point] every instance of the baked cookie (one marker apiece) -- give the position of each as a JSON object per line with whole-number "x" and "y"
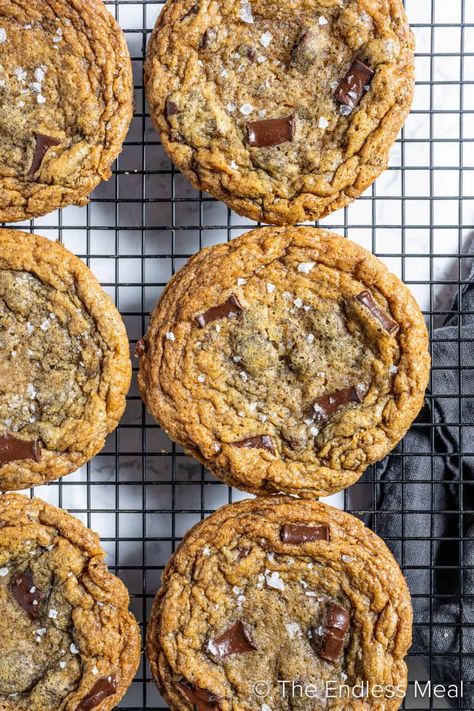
{"x": 67, "y": 639}
{"x": 66, "y": 97}
{"x": 286, "y": 111}
{"x": 288, "y": 359}
{"x": 280, "y": 590}
{"x": 65, "y": 367}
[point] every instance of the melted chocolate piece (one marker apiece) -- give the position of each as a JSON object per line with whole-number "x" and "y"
{"x": 27, "y": 594}
{"x": 171, "y": 108}
{"x": 235, "y": 640}
{"x": 201, "y": 699}
{"x": 258, "y": 442}
{"x": 270, "y": 132}
{"x": 231, "y": 307}
{"x": 338, "y": 617}
{"x": 326, "y": 405}
{"x": 332, "y": 644}
{"x": 13, "y": 449}
{"x": 140, "y": 348}
{"x": 298, "y": 533}
{"x": 42, "y": 144}
{"x": 107, "y": 686}
{"x": 388, "y": 324}
{"x": 351, "y": 88}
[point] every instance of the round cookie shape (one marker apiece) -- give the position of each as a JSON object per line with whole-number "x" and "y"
{"x": 278, "y": 590}
{"x": 67, "y": 639}
{"x": 287, "y": 360}
{"x": 285, "y": 111}
{"x": 66, "y": 102}
{"x": 65, "y": 368}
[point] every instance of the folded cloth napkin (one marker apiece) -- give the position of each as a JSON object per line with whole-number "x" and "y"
{"x": 424, "y": 495}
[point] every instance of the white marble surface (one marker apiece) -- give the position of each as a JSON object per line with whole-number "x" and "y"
{"x": 424, "y": 238}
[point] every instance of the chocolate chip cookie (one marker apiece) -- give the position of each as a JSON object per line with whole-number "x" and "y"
{"x": 67, "y": 639}
{"x": 288, "y": 359}
{"x": 279, "y": 604}
{"x": 65, "y": 367}
{"x": 286, "y": 112}
{"x": 66, "y": 98}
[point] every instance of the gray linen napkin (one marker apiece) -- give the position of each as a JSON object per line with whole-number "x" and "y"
{"x": 420, "y": 491}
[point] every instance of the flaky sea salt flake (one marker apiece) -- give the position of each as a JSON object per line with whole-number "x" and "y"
{"x": 273, "y": 580}
{"x": 245, "y": 12}
{"x": 246, "y": 109}
{"x": 266, "y": 38}
{"x": 305, "y": 267}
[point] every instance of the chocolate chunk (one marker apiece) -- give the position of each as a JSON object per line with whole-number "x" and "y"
{"x": 27, "y": 594}
{"x": 171, "y": 108}
{"x": 41, "y": 146}
{"x": 388, "y": 324}
{"x": 270, "y": 132}
{"x": 353, "y": 86}
{"x": 13, "y": 449}
{"x": 235, "y": 640}
{"x": 140, "y": 348}
{"x": 231, "y": 307}
{"x": 107, "y": 686}
{"x": 258, "y": 442}
{"x": 298, "y": 533}
{"x": 326, "y": 405}
{"x": 331, "y": 645}
{"x": 338, "y": 617}
{"x": 201, "y": 699}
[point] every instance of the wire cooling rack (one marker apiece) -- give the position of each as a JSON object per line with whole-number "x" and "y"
{"x": 142, "y": 493}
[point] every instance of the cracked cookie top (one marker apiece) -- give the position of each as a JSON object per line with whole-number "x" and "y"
{"x": 288, "y": 359}
{"x": 67, "y": 639}
{"x": 65, "y": 103}
{"x": 65, "y": 366}
{"x": 286, "y": 111}
{"x": 280, "y": 590}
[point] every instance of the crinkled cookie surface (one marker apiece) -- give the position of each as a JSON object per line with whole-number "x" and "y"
{"x": 67, "y": 639}
{"x": 66, "y": 97}
{"x": 280, "y": 590}
{"x": 286, "y": 111}
{"x": 288, "y": 359}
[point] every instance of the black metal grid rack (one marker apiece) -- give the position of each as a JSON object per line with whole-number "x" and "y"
{"x": 142, "y": 493}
